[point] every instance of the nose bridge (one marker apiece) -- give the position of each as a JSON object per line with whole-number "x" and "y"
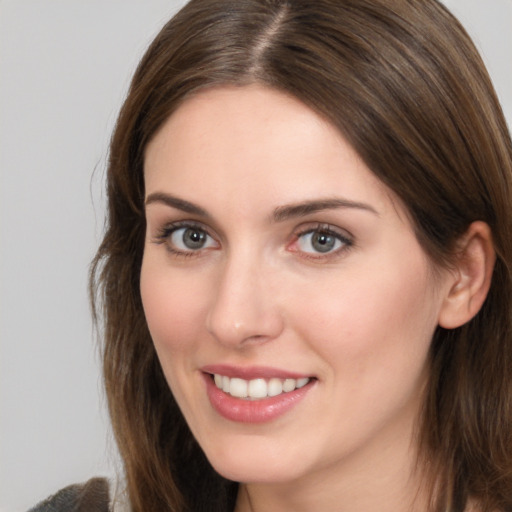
{"x": 243, "y": 308}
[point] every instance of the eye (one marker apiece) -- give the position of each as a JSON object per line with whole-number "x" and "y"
{"x": 185, "y": 239}
{"x": 322, "y": 240}
{"x": 190, "y": 239}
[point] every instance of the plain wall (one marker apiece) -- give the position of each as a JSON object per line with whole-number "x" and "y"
{"x": 64, "y": 69}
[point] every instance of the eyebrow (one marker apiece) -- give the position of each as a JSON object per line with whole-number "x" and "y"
{"x": 176, "y": 202}
{"x": 280, "y": 214}
{"x": 302, "y": 209}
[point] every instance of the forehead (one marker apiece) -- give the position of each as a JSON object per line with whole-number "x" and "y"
{"x": 258, "y": 145}
{"x": 254, "y": 117}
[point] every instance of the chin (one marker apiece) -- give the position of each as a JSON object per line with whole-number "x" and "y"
{"x": 250, "y": 473}
{"x": 256, "y": 464}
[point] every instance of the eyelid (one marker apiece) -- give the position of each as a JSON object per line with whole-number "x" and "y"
{"x": 169, "y": 227}
{"x": 342, "y": 235}
{"x": 164, "y": 233}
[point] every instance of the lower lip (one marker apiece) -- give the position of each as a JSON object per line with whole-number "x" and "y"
{"x": 253, "y": 411}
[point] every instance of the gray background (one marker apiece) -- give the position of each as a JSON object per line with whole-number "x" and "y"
{"x": 64, "y": 68}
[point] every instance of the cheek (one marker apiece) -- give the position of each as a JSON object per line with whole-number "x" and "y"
{"x": 373, "y": 336}
{"x": 172, "y": 307}
{"x": 371, "y": 322}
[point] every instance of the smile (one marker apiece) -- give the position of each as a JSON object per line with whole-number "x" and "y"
{"x": 257, "y": 389}
{"x": 254, "y": 395}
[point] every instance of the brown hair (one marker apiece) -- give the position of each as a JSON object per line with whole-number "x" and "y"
{"x": 403, "y": 82}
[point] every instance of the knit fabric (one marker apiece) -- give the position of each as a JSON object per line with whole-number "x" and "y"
{"x": 92, "y": 496}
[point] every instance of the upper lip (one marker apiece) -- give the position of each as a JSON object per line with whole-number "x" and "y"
{"x": 252, "y": 372}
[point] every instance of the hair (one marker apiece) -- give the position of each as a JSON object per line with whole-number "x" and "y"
{"x": 404, "y": 84}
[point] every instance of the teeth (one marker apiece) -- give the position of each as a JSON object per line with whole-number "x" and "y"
{"x": 289, "y": 385}
{"x": 275, "y": 387}
{"x": 225, "y": 384}
{"x": 257, "y": 388}
{"x": 238, "y": 388}
{"x": 302, "y": 382}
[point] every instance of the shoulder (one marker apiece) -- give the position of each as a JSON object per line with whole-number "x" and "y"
{"x": 91, "y": 496}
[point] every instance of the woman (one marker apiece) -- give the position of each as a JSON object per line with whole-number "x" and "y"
{"x": 305, "y": 279}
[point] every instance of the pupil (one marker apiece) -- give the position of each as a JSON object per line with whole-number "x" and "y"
{"x": 323, "y": 242}
{"x": 193, "y": 238}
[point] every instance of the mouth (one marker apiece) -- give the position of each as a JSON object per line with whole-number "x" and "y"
{"x": 257, "y": 389}
{"x": 254, "y": 395}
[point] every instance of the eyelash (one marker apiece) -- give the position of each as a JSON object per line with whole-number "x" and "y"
{"x": 346, "y": 240}
{"x": 164, "y": 234}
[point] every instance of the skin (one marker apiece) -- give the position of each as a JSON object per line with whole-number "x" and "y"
{"x": 359, "y": 319}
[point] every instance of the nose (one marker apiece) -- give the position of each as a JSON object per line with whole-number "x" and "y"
{"x": 244, "y": 309}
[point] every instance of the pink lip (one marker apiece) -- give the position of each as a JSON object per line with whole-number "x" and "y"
{"x": 251, "y": 372}
{"x": 252, "y": 411}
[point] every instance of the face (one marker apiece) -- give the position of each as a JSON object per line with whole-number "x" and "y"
{"x": 288, "y": 299}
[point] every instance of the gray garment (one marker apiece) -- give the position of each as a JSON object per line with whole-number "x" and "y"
{"x": 92, "y": 496}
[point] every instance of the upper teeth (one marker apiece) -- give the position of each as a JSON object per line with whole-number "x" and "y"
{"x": 257, "y": 388}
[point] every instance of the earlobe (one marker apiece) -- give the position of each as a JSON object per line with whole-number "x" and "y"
{"x": 471, "y": 278}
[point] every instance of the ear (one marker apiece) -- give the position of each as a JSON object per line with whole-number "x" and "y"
{"x": 471, "y": 277}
